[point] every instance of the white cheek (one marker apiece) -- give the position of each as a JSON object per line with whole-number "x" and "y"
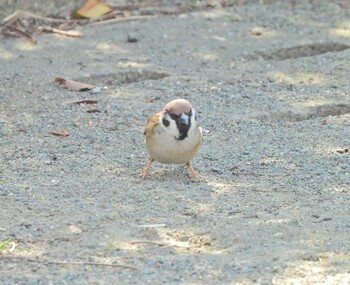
{"x": 172, "y": 128}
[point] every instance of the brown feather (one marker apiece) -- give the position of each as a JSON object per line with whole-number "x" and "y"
{"x": 178, "y": 107}
{"x": 152, "y": 122}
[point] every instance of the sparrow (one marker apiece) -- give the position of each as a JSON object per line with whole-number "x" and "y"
{"x": 173, "y": 136}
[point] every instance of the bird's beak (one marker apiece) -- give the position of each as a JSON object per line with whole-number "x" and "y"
{"x": 184, "y": 119}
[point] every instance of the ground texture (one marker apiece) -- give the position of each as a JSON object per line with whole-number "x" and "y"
{"x": 270, "y": 80}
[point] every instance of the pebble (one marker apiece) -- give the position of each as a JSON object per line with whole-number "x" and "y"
{"x": 27, "y": 225}
{"x": 132, "y": 38}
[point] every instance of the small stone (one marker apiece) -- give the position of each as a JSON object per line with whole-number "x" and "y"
{"x": 96, "y": 90}
{"x": 256, "y": 31}
{"x": 236, "y": 18}
{"x": 148, "y": 11}
{"x": 27, "y": 225}
{"x": 132, "y": 38}
{"x": 218, "y": 171}
{"x": 75, "y": 229}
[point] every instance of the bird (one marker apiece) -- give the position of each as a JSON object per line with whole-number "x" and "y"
{"x": 173, "y": 136}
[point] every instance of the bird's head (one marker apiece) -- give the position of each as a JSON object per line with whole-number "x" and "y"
{"x": 178, "y": 117}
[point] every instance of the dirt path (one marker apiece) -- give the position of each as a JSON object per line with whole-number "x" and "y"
{"x": 271, "y": 83}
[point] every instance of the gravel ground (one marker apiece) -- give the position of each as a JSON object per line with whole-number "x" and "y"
{"x": 271, "y": 84}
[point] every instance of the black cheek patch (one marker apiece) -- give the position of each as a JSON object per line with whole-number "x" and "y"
{"x": 165, "y": 122}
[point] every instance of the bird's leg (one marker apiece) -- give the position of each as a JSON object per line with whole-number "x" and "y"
{"x": 193, "y": 174}
{"x": 145, "y": 172}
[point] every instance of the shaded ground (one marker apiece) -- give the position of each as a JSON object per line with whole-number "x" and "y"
{"x": 271, "y": 83}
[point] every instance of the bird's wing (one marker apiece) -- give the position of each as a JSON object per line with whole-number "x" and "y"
{"x": 152, "y": 122}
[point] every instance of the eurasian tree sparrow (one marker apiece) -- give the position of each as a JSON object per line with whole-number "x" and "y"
{"x": 173, "y": 136}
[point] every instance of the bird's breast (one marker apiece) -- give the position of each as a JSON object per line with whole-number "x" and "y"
{"x": 164, "y": 147}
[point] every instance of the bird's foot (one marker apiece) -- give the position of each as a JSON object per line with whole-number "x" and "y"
{"x": 193, "y": 175}
{"x": 146, "y": 171}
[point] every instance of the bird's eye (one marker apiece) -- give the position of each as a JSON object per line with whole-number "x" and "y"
{"x": 190, "y": 113}
{"x": 173, "y": 116}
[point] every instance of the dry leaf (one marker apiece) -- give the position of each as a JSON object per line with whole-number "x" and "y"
{"x": 234, "y": 166}
{"x": 74, "y": 85}
{"x": 75, "y": 229}
{"x": 150, "y": 100}
{"x": 93, "y": 9}
{"x": 60, "y": 134}
{"x": 257, "y": 31}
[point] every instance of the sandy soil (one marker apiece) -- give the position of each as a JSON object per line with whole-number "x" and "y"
{"x": 271, "y": 83}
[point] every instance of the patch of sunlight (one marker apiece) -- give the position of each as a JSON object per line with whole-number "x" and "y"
{"x": 221, "y": 187}
{"x": 333, "y": 151}
{"x": 214, "y": 14}
{"x": 344, "y": 33}
{"x": 4, "y": 54}
{"x": 314, "y": 103}
{"x": 273, "y": 221}
{"x": 27, "y": 249}
{"x": 338, "y": 189}
{"x": 26, "y": 46}
{"x": 202, "y": 208}
{"x": 299, "y": 78}
{"x": 179, "y": 240}
{"x": 262, "y": 33}
{"x": 133, "y": 64}
{"x": 328, "y": 269}
{"x": 343, "y": 30}
{"x": 110, "y": 47}
{"x": 120, "y": 93}
{"x": 268, "y": 160}
{"x": 185, "y": 240}
{"x": 122, "y": 245}
{"x": 218, "y": 38}
{"x": 28, "y": 118}
{"x": 206, "y": 56}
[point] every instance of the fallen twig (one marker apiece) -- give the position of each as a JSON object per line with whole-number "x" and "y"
{"x": 161, "y": 243}
{"x": 149, "y": 242}
{"x": 150, "y": 100}
{"x": 117, "y": 20}
{"x": 257, "y": 174}
{"x": 151, "y": 226}
{"x": 71, "y": 33}
{"x": 19, "y": 13}
{"x": 60, "y": 134}
{"x": 55, "y": 262}
{"x": 86, "y": 101}
{"x": 12, "y": 31}
{"x": 259, "y": 190}
{"x": 10, "y": 19}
